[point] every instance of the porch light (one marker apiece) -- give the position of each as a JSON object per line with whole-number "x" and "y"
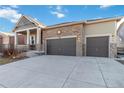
{"x": 78, "y": 38}
{"x": 59, "y": 32}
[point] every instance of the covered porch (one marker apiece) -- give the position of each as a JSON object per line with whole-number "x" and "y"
{"x": 28, "y": 34}
{"x": 28, "y": 39}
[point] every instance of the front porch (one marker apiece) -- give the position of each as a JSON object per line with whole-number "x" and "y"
{"x": 28, "y": 39}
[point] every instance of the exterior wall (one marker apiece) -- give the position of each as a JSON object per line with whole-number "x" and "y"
{"x": 66, "y": 31}
{"x": 5, "y": 40}
{"x": 11, "y": 40}
{"x": 100, "y": 28}
{"x": 103, "y": 29}
{"x": 21, "y": 39}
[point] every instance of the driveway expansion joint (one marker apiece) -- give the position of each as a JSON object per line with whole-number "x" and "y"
{"x": 101, "y": 73}
{"x": 3, "y": 86}
{"x": 69, "y": 74}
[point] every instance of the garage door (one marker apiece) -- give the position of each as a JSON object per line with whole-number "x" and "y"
{"x": 97, "y": 46}
{"x": 66, "y": 46}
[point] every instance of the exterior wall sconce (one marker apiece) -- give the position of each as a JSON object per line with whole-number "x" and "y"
{"x": 59, "y": 32}
{"x": 78, "y": 38}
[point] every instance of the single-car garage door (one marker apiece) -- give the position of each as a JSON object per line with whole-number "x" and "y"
{"x": 97, "y": 46}
{"x": 64, "y": 46}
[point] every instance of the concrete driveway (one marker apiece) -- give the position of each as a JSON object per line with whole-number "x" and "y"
{"x": 62, "y": 71}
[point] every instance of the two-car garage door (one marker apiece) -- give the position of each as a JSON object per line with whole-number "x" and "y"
{"x": 63, "y": 46}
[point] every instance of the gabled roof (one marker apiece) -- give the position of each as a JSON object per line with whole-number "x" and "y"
{"x": 36, "y": 22}
{"x": 39, "y": 24}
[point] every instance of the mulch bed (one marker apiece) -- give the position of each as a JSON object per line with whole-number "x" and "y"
{"x": 6, "y": 60}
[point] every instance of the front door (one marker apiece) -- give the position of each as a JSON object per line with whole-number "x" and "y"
{"x": 32, "y": 42}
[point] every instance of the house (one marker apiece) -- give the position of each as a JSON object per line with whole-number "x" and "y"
{"x": 6, "y": 40}
{"x": 98, "y": 37}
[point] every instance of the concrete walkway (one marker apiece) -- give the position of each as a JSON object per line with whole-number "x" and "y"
{"x": 62, "y": 71}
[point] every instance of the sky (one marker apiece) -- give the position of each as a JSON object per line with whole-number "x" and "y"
{"x": 50, "y": 15}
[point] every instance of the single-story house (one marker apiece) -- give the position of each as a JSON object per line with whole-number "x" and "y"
{"x": 98, "y": 37}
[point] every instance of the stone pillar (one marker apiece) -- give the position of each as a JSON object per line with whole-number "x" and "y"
{"x": 38, "y": 43}
{"x": 83, "y": 41}
{"x": 16, "y": 39}
{"x": 28, "y": 39}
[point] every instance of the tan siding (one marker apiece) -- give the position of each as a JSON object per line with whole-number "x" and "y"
{"x": 100, "y": 28}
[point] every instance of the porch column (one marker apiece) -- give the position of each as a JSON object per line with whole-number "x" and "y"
{"x": 16, "y": 39}
{"x": 38, "y": 45}
{"x": 28, "y": 39}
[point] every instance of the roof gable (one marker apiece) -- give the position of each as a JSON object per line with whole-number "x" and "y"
{"x": 27, "y": 22}
{"x": 24, "y": 21}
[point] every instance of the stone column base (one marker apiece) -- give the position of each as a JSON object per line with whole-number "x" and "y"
{"x": 38, "y": 47}
{"x": 28, "y": 47}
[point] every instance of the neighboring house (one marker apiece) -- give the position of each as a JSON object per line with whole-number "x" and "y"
{"x": 6, "y": 40}
{"x": 98, "y": 37}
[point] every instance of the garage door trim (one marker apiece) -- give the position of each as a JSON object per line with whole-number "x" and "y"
{"x": 73, "y": 36}
{"x": 104, "y": 35}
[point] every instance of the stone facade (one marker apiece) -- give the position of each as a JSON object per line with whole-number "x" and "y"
{"x": 66, "y": 31}
{"x": 113, "y": 50}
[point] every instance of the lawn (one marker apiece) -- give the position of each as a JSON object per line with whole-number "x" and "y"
{"x": 5, "y": 61}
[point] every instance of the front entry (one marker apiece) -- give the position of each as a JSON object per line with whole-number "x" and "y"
{"x": 64, "y": 46}
{"x": 97, "y": 46}
{"x": 32, "y": 42}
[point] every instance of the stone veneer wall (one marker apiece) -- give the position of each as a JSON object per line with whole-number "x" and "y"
{"x": 112, "y": 46}
{"x": 113, "y": 50}
{"x": 72, "y": 30}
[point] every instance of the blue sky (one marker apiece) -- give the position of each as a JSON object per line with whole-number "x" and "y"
{"x": 50, "y": 15}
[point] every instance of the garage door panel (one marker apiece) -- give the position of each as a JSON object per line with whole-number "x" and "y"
{"x": 97, "y": 46}
{"x": 61, "y": 46}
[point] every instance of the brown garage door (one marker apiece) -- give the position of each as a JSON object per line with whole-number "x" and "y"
{"x": 97, "y": 46}
{"x": 66, "y": 46}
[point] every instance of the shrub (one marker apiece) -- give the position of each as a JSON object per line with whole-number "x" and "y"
{"x": 12, "y": 53}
